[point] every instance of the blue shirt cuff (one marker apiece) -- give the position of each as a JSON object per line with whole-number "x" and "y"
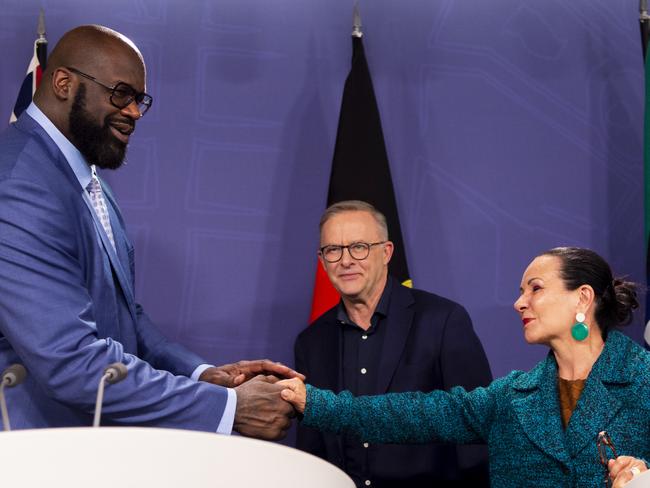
{"x": 199, "y": 370}
{"x": 228, "y": 417}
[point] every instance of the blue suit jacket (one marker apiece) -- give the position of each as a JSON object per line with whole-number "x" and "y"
{"x": 517, "y": 416}
{"x": 67, "y": 305}
{"x": 429, "y": 344}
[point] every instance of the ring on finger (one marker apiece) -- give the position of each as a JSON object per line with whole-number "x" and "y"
{"x": 635, "y": 471}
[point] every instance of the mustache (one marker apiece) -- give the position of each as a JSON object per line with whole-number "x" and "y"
{"x": 125, "y": 126}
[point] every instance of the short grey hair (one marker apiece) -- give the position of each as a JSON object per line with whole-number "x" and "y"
{"x": 356, "y": 206}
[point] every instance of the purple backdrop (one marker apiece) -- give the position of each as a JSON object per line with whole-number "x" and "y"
{"x": 511, "y": 127}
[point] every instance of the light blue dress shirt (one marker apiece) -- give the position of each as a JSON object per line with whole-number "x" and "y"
{"x": 83, "y": 172}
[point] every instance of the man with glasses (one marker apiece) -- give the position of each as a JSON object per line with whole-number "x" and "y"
{"x": 383, "y": 337}
{"x": 67, "y": 305}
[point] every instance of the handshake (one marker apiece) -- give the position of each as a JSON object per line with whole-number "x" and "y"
{"x": 265, "y": 403}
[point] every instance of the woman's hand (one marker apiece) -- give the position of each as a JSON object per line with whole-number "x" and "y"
{"x": 294, "y": 393}
{"x": 623, "y": 469}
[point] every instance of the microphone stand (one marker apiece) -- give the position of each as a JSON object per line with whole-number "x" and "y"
{"x": 11, "y": 376}
{"x": 112, "y": 374}
{"x": 3, "y": 406}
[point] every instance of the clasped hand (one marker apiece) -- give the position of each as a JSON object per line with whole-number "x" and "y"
{"x": 261, "y": 411}
{"x": 295, "y": 393}
{"x": 232, "y": 375}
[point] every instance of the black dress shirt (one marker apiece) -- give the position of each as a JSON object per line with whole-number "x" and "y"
{"x": 361, "y": 356}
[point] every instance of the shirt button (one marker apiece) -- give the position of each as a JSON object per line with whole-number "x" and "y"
{"x": 364, "y": 370}
{"x": 368, "y": 482}
{"x": 364, "y": 337}
{"x": 365, "y": 444}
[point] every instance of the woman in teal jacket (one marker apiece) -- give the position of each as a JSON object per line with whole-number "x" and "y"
{"x": 541, "y": 426}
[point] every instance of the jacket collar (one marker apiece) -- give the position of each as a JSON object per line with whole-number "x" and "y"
{"x": 606, "y": 368}
{"x": 399, "y": 321}
{"x": 536, "y": 398}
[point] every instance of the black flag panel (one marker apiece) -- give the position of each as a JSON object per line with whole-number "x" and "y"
{"x": 360, "y": 169}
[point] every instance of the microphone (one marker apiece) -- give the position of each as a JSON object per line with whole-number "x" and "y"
{"x": 114, "y": 373}
{"x": 12, "y": 376}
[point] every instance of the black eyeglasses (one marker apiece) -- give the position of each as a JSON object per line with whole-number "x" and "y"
{"x": 606, "y": 451}
{"x": 122, "y": 94}
{"x": 358, "y": 250}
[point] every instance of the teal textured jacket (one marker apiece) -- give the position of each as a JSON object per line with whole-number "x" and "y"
{"x": 517, "y": 416}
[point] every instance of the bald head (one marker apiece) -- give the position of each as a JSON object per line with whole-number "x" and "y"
{"x": 91, "y": 70}
{"x": 92, "y": 49}
{"x": 88, "y": 46}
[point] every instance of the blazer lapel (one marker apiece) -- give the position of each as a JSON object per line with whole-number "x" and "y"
{"x": 121, "y": 240}
{"x": 537, "y": 399}
{"x": 593, "y": 413}
{"x": 398, "y": 325}
{"x": 116, "y": 264}
{"x": 597, "y": 406}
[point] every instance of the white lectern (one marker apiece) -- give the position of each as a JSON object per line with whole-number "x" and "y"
{"x": 121, "y": 457}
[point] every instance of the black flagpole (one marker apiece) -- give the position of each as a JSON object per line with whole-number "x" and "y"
{"x": 644, "y": 21}
{"x": 41, "y": 42}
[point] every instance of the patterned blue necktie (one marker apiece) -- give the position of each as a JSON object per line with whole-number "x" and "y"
{"x": 99, "y": 204}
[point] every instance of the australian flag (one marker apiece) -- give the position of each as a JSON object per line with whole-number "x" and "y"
{"x": 32, "y": 79}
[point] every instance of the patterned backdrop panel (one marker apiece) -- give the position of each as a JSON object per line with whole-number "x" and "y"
{"x": 510, "y": 126}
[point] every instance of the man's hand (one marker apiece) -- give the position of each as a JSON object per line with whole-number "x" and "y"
{"x": 623, "y": 469}
{"x": 261, "y": 412}
{"x": 232, "y": 375}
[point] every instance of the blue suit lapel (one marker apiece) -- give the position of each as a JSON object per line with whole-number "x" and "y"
{"x": 122, "y": 252}
{"x": 536, "y": 398}
{"x": 118, "y": 234}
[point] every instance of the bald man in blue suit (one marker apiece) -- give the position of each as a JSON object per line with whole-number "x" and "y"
{"x": 67, "y": 304}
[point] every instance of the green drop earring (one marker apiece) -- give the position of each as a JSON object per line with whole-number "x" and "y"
{"x": 580, "y": 330}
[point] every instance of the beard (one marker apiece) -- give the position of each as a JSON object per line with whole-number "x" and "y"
{"x": 94, "y": 141}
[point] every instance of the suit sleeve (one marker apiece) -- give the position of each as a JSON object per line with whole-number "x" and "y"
{"x": 307, "y": 439}
{"x": 46, "y": 315}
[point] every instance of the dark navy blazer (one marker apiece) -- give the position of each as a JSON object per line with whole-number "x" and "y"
{"x": 429, "y": 344}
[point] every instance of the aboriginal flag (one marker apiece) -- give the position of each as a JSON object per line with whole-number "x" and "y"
{"x": 360, "y": 170}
